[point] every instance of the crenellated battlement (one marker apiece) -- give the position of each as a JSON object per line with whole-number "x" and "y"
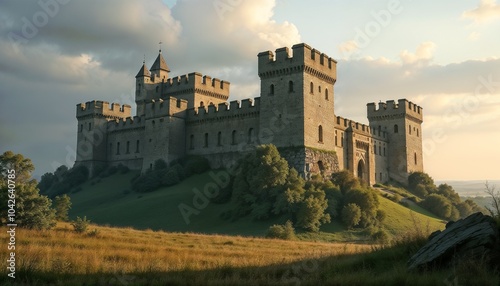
{"x": 391, "y": 109}
{"x": 198, "y": 83}
{"x": 170, "y": 106}
{"x": 343, "y": 123}
{"x": 302, "y": 58}
{"x": 231, "y": 109}
{"x": 126, "y": 123}
{"x": 103, "y": 108}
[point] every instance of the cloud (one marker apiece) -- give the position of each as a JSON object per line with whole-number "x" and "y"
{"x": 487, "y": 10}
{"x": 423, "y": 54}
{"x": 349, "y": 47}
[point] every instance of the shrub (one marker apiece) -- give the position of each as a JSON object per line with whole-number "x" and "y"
{"x": 170, "y": 177}
{"x": 381, "y": 236}
{"x": 195, "y": 165}
{"x": 351, "y": 215}
{"x": 94, "y": 233}
{"x": 80, "y": 225}
{"x": 160, "y": 164}
{"x": 122, "y": 169}
{"x": 285, "y": 231}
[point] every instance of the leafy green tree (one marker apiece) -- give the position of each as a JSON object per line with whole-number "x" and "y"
{"x": 368, "y": 202}
{"x": 62, "y": 207}
{"x": 420, "y": 191}
{"x": 439, "y": 205}
{"x": 160, "y": 164}
{"x": 351, "y": 215}
{"x": 345, "y": 180}
{"x": 32, "y": 209}
{"x": 422, "y": 178}
{"x": 311, "y": 214}
{"x": 448, "y": 192}
{"x": 285, "y": 231}
{"x": 22, "y": 166}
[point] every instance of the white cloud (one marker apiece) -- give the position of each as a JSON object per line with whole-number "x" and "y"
{"x": 423, "y": 54}
{"x": 487, "y": 10}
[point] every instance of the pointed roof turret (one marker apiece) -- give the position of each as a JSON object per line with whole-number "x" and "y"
{"x": 143, "y": 71}
{"x": 160, "y": 64}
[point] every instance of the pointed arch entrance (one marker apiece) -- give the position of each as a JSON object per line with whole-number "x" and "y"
{"x": 361, "y": 170}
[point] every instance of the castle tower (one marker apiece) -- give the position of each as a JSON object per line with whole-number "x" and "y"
{"x": 142, "y": 82}
{"x": 93, "y": 116}
{"x": 403, "y": 123}
{"x": 297, "y": 104}
{"x": 159, "y": 69}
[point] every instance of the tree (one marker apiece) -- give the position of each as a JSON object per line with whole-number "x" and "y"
{"x": 81, "y": 224}
{"x": 495, "y": 197}
{"x": 420, "y": 191}
{"x": 345, "y": 180}
{"x": 311, "y": 214}
{"x": 62, "y": 206}
{"x": 160, "y": 164}
{"x": 22, "y": 166}
{"x": 422, "y": 178}
{"x": 438, "y": 205}
{"x": 32, "y": 209}
{"x": 351, "y": 215}
{"x": 285, "y": 231}
{"x": 448, "y": 192}
{"x": 368, "y": 202}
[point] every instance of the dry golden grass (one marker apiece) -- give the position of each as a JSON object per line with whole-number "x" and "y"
{"x": 124, "y": 250}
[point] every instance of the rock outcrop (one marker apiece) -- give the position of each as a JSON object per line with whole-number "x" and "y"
{"x": 474, "y": 237}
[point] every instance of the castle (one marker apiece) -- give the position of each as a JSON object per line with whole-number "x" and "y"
{"x": 190, "y": 115}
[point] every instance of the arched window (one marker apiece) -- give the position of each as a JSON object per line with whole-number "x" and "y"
{"x": 206, "y": 140}
{"x": 202, "y": 104}
{"x": 178, "y": 103}
{"x": 396, "y": 128}
{"x": 379, "y": 129}
{"x": 418, "y": 135}
{"x": 157, "y": 89}
{"x": 375, "y": 148}
{"x": 271, "y": 89}
{"x": 118, "y": 148}
{"x": 311, "y": 88}
{"x": 81, "y": 127}
{"x": 128, "y": 147}
{"x": 326, "y": 93}
{"x": 90, "y": 126}
{"x": 409, "y": 129}
{"x": 290, "y": 86}
{"x": 415, "y": 158}
{"x": 320, "y": 134}
{"x": 319, "y": 88}
{"x": 336, "y": 138}
{"x": 191, "y": 141}
{"x": 137, "y": 146}
{"x": 219, "y": 139}
{"x": 250, "y": 135}
{"x": 233, "y": 137}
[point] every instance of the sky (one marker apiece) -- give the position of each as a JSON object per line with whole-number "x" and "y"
{"x": 442, "y": 55}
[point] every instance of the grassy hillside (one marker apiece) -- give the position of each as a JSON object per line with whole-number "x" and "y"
{"x": 121, "y": 256}
{"x": 111, "y": 202}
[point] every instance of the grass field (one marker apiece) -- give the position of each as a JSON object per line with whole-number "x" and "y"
{"x": 110, "y": 202}
{"x": 124, "y": 256}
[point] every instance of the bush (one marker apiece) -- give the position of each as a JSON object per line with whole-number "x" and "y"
{"x": 170, "y": 177}
{"x": 351, "y": 215}
{"x": 122, "y": 169}
{"x": 80, "y": 225}
{"x": 195, "y": 165}
{"x": 160, "y": 164}
{"x": 94, "y": 233}
{"x": 381, "y": 236}
{"x": 404, "y": 204}
{"x": 285, "y": 231}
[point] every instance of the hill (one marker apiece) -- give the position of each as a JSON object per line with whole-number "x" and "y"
{"x": 109, "y": 201}
{"x": 124, "y": 256}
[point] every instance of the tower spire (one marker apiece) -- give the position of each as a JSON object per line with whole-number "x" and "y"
{"x": 160, "y": 45}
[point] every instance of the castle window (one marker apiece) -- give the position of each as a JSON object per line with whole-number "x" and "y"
{"x": 336, "y": 138}
{"x": 320, "y": 134}
{"x": 290, "y": 86}
{"x": 417, "y": 133}
{"x": 233, "y": 137}
{"x": 90, "y": 126}
{"x": 379, "y": 128}
{"x": 202, "y": 104}
{"x": 137, "y": 146}
{"x": 157, "y": 89}
{"x": 128, "y": 147}
{"x": 311, "y": 88}
{"x": 110, "y": 148}
{"x": 271, "y": 89}
{"x": 384, "y": 151}
{"x": 191, "y": 141}
{"x": 139, "y": 86}
{"x": 118, "y": 148}
{"x": 178, "y": 103}
{"x": 381, "y": 178}
{"x": 219, "y": 139}
{"x": 342, "y": 139}
{"x": 396, "y": 128}
{"x": 415, "y": 158}
{"x": 409, "y": 129}
{"x": 250, "y": 135}
{"x": 319, "y": 88}
{"x": 380, "y": 149}
{"x": 326, "y": 93}
{"x": 206, "y": 140}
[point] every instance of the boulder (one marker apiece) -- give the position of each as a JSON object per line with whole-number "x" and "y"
{"x": 476, "y": 236}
